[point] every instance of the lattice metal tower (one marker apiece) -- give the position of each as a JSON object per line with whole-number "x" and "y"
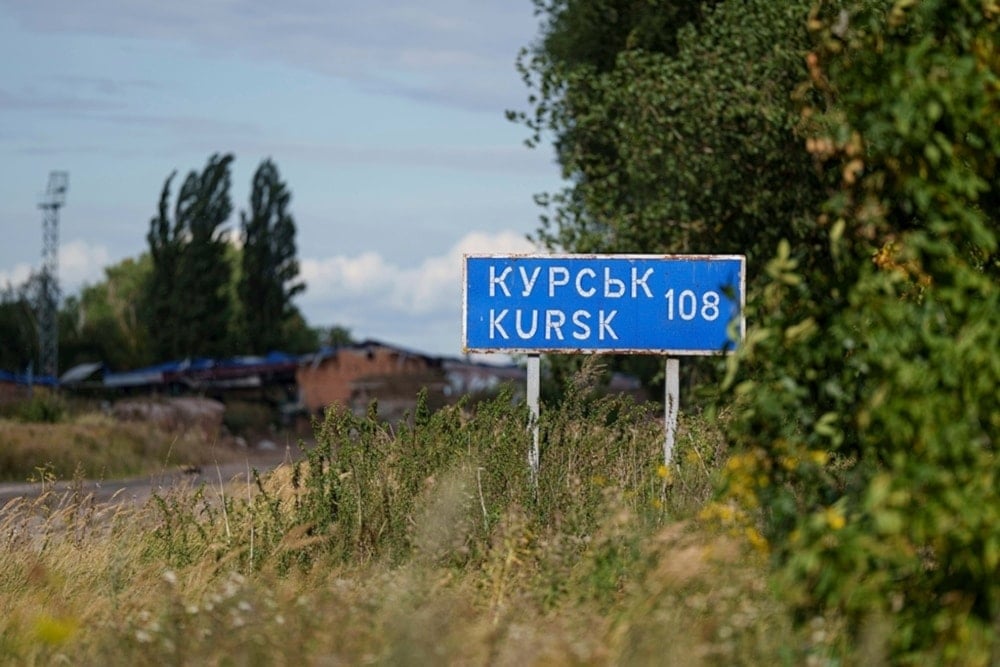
{"x": 48, "y": 299}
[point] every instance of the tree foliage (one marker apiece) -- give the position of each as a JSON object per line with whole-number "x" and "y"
{"x": 858, "y": 138}
{"x": 161, "y": 308}
{"x": 868, "y": 417}
{"x": 677, "y": 127}
{"x": 105, "y": 322}
{"x": 18, "y": 331}
{"x": 675, "y": 124}
{"x": 205, "y": 275}
{"x": 190, "y": 292}
{"x": 209, "y": 297}
{"x": 269, "y": 265}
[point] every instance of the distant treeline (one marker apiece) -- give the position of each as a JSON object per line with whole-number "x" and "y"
{"x": 203, "y": 288}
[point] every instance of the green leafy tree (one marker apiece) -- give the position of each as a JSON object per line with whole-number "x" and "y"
{"x": 269, "y": 268}
{"x": 868, "y": 418}
{"x": 677, "y": 127}
{"x": 162, "y": 309}
{"x": 297, "y": 336}
{"x": 189, "y": 298}
{"x": 205, "y": 276}
{"x": 675, "y": 123}
{"x": 335, "y": 335}
{"x": 18, "y": 331}
{"x": 105, "y": 322}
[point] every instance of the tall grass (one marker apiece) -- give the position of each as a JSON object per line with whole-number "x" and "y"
{"x": 419, "y": 543}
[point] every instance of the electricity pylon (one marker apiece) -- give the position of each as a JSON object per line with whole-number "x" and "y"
{"x": 48, "y": 301}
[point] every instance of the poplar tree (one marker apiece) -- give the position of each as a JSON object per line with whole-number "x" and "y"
{"x": 189, "y": 297}
{"x": 162, "y": 314}
{"x": 269, "y": 266}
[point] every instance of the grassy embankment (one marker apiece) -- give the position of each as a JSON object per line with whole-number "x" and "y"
{"x": 46, "y": 438}
{"x": 422, "y": 544}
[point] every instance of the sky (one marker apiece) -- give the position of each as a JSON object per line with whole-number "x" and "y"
{"x": 386, "y": 120}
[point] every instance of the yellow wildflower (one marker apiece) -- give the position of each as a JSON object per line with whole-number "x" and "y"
{"x": 835, "y": 518}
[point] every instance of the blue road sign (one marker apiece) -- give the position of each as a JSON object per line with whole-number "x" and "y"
{"x": 626, "y": 304}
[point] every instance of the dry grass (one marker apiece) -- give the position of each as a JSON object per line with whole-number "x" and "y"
{"x": 87, "y": 583}
{"x": 80, "y": 583}
{"x": 95, "y": 446}
{"x": 605, "y": 568}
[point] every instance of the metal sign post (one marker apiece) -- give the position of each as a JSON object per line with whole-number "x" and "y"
{"x": 534, "y": 384}
{"x": 672, "y": 305}
{"x": 671, "y": 405}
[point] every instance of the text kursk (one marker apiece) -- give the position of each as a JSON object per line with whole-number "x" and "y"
{"x": 556, "y": 280}
{"x": 554, "y": 324}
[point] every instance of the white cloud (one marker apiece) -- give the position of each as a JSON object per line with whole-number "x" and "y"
{"x": 347, "y": 276}
{"x": 373, "y": 296}
{"x": 15, "y": 276}
{"x": 426, "y": 288}
{"x": 81, "y": 262}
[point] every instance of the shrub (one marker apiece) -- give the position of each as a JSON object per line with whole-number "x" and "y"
{"x": 868, "y": 417}
{"x": 42, "y": 407}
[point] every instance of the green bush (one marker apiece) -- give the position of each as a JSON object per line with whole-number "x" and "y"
{"x": 42, "y": 407}
{"x": 868, "y": 418}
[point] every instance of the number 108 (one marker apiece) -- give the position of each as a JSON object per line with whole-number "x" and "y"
{"x": 686, "y": 306}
